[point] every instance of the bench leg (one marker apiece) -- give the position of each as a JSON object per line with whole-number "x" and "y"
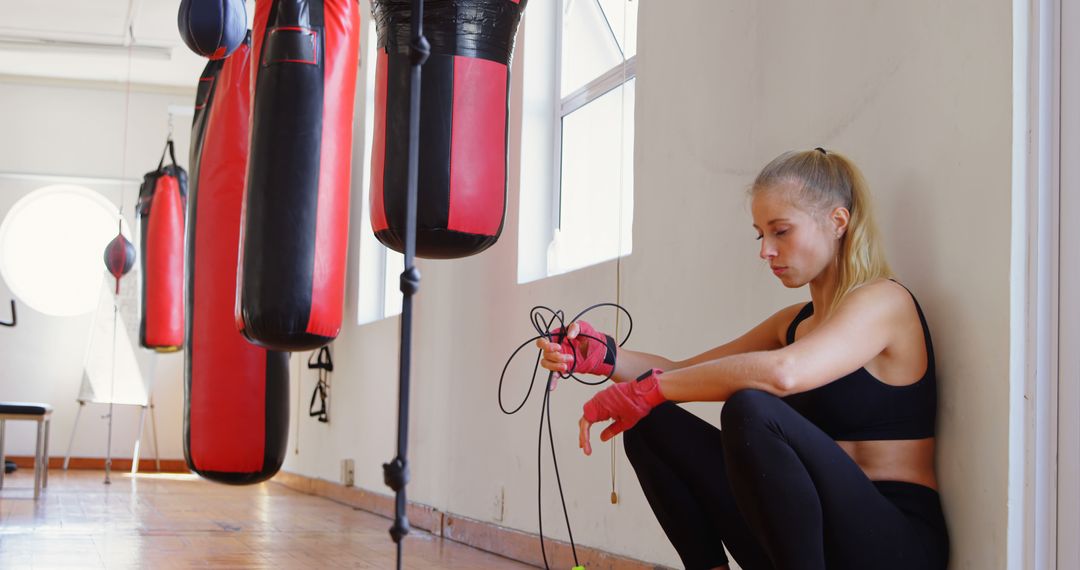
{"x": 45, "y": 456}
{"x": 37, "y": 459}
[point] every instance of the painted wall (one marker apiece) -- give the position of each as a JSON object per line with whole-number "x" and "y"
{"x": 78, "y": 130}
{"x": 917, "y": 93}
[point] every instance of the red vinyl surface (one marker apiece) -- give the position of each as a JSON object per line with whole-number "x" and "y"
{"x": 378, "y": 150}
{"x": 478, "y": 146}
{"x": 228, "y": 375}
{"x": 164, "y": 302}
{"x": 342, "y": 35}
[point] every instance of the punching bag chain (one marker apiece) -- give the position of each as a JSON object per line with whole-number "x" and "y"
{"x": 543, "y": 328}
{"x": 396, "y": 472}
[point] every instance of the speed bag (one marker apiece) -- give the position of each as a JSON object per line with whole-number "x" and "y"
{"x": 461, "y": 189}
{"x": 162, "y": 199}
{"x": 236, "y": 394}
{"x": 295, "y": 222}
{"x": 212, "y": 29}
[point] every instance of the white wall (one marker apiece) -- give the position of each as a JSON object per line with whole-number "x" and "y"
{"x": 78, "y": 129}
{"x": 917, "y": 93}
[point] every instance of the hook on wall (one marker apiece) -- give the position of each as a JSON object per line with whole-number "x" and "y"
{"x": 14, "y": 318}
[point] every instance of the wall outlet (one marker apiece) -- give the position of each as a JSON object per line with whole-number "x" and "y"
{"x": 498, "y": 505}
{"x": 348, "y": 472}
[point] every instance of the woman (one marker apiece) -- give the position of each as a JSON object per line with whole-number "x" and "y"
{"x": 825, "y": 452}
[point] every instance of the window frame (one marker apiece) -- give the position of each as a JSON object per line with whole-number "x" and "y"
{"x": 615, "y": 77}
{"x": 1067, "y": 138}
{"x": 377, "y": 298}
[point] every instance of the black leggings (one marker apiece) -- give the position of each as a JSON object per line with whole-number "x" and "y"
{"x": 778, "y": 492}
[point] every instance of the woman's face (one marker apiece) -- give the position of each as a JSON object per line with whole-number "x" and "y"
{"x": 794, "y": 242}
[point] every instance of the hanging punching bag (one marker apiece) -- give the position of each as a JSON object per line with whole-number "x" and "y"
{"x": 162, "y": 199}
{"x": 463, "y": 124}
{"x": 236, "y": 394}
{"x": 296, "y": 205}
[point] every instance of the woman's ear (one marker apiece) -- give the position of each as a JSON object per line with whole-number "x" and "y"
{"x": 839, "y": 219}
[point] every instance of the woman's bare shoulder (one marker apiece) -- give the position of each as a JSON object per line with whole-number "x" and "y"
{"x": 881, "y": 288}
{"x": 888, "y": 297}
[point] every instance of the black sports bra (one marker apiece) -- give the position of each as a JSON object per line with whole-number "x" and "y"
{"x": 859, "y": 407}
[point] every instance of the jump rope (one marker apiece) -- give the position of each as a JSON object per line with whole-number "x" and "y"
{"x": 543, "y": 325}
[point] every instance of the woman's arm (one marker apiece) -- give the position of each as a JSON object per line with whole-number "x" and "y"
{"x": 858, "y": 330}
{"x": 767, "y": 335}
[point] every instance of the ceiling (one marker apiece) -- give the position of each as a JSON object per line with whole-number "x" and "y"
{"x": 85, "y": 40}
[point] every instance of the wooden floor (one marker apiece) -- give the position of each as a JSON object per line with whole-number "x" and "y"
{"x": 164, "y": 521}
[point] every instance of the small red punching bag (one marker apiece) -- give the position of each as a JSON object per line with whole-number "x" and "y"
{"x": 296, "y": 206}
{"x": 236, "y": 413}
{"x": 162, "y": 200}
{"x": 463, "y": 124}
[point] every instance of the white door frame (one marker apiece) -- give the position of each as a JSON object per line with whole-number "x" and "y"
{"x": 1068, "y": 436}
{"x": 1037, "y": 278}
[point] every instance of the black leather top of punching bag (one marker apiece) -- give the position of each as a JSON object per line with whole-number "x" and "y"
{"x": 483, "y": 29}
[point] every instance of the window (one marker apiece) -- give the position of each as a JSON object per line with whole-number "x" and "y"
{"x": 380, "y": 267}
{"x": 52, "y": 247}
{"x": 583, "y": 95}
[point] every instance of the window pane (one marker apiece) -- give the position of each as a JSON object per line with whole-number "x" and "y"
{"x": 622, "y": 15}
{"x": 597, "y": 201}
{"x": 51, "y": 246}
{"x": 588, "y": 46}
{"x": 372, "y": 256}
{"x": 379, "y": 295}
{"x": 395, "y": 266}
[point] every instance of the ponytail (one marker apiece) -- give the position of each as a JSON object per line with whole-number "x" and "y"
{"x": 827, "y": 180}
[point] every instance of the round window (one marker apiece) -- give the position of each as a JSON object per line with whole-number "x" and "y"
{"x": 52, "y": 244}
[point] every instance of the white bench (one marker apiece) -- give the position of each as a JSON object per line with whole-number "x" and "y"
{"x": 34, "y": 412}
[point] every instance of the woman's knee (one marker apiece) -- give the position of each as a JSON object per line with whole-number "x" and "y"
{"x": 747, "y": 407}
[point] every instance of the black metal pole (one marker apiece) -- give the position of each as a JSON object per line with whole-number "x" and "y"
{"x": 396, "y": 473}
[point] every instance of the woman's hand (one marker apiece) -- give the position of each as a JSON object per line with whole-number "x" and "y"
{"x": 626, "y": 403}
{"x": 582, "y": 350}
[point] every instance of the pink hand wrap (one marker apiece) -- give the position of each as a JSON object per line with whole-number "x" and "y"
{"x": 593, "y": 356}
{"x": 626, "y": 403}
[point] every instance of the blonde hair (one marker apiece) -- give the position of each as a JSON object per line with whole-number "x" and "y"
{"x": 826, "y": 180}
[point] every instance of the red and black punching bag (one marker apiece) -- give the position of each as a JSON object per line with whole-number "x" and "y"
{"x": 162, "y": 200}
{"x": 237, "y": 413}
{"x": 463, "y": 125}
{"x": 296, "y": 207}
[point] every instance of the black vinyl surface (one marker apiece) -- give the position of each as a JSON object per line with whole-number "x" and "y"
{"x": 283, "y": 182}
